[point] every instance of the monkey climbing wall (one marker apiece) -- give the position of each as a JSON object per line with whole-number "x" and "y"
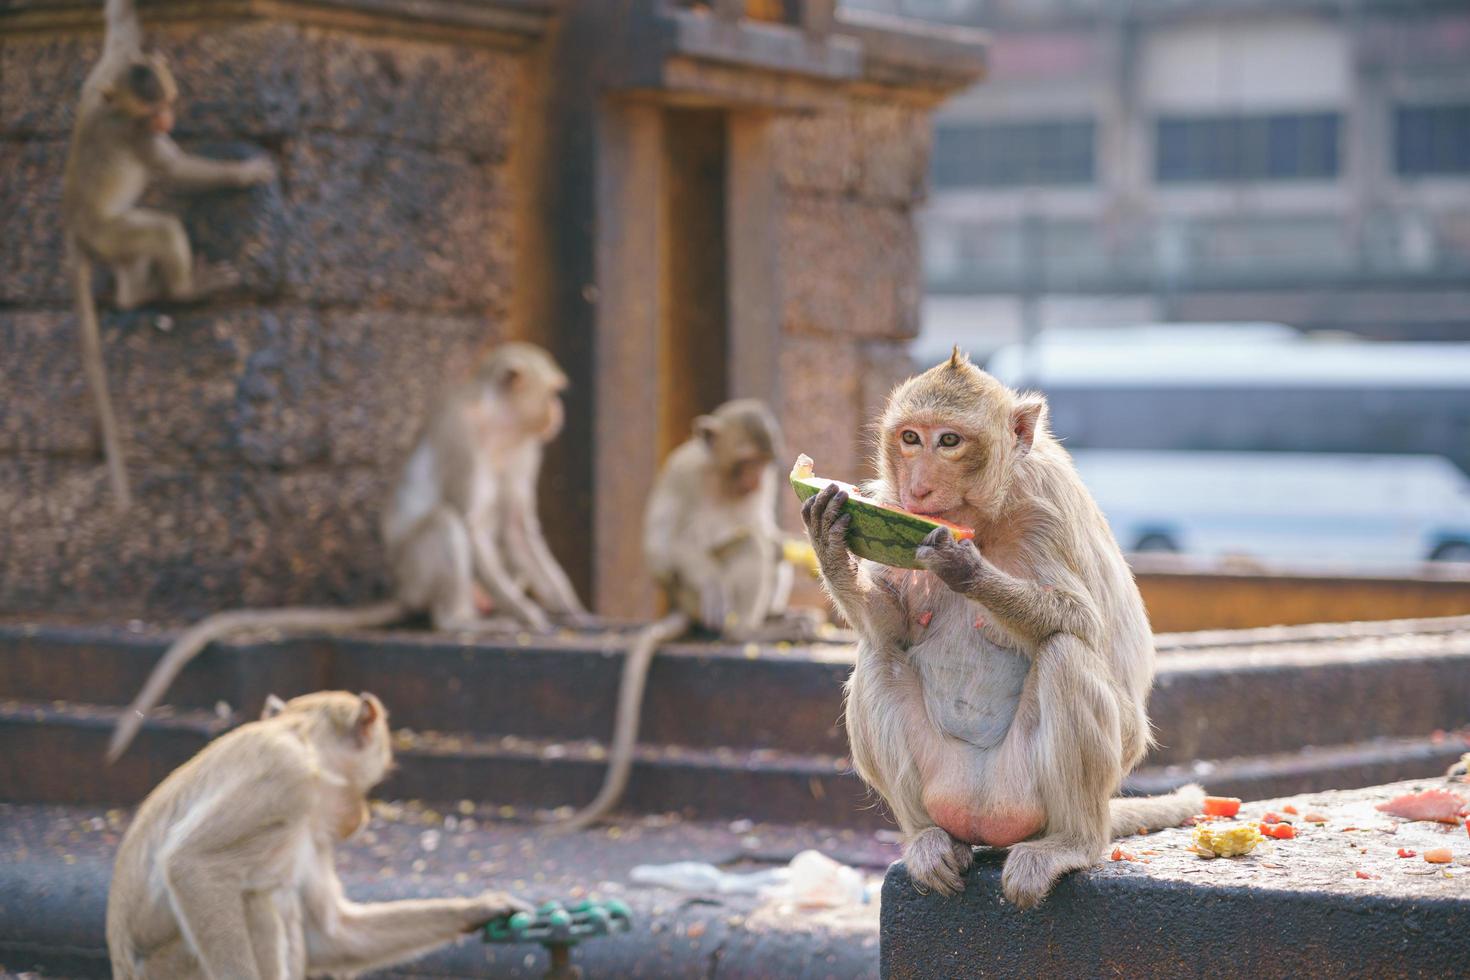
{"x": 445, "y": 182}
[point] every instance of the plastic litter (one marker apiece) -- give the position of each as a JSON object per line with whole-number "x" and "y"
{"x": 811, "y": 880}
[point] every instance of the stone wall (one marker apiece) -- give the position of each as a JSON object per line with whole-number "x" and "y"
{"x": 850, "y": 181}
{"x": 263, "y": 427}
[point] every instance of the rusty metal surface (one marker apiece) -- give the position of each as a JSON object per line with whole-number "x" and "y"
{"x": 55, "y": 864}
{"x": 1183, "y": 594}
{"x": 1293, "y": 908}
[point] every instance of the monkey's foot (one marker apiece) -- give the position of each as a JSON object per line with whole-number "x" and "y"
{"x": 1032, "y": 867}
{"x": 938, "y": 862}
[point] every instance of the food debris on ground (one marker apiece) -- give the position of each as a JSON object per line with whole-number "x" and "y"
{"x": 1314, "y": 817}
{"x": 1230, "y": 840}
{"x": 1121, "y": 855}
{"x": 1431, "y": 804}
{"x": 1364, "y": 874}
{"x": 1289, "y": 809}
{"x": 1280, "y": 831}
{"x": 1439, "y": 855}
{"x": 1221, "y": 806}
{"x": 1271, "y": 817}
{"x": 1405, "y": 852}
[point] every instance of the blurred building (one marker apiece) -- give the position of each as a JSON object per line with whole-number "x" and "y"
{"x": 1301, "y": 161}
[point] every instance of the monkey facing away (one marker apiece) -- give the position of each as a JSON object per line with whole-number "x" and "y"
{"x": 999, "y": 696}
{"x": 228, "y": 872}
{"x": 711, "y": 540}
{"x": 119, "y": 145}
{"x": 463, "y": 515}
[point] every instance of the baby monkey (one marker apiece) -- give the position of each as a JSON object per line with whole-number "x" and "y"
{"x": 712, "y": 543}
{"x": 998, "y": 697}
{"x": 462, "y": 519}
{"x": 120, "y": 144}
{"x": 228, "y": 870}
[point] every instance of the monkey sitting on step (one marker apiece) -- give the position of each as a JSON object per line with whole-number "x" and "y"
{"x": 998, "y": 697}
{"x": 227, "y": 870}
{"x": 119, "y": 145}
{"x": 711, "y": 540}
{"x": 463, "y": 515}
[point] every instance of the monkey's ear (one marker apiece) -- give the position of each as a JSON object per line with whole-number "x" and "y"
{"x": 367, "y": 712}
{"x": 1025, "y": 417}
{"x": 707, "y": 427}
{"x": 273, "y": 706}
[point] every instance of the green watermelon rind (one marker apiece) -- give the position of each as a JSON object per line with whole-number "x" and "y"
{"x": 880, "y": 534}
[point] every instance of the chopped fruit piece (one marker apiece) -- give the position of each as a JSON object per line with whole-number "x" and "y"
{"x": 1314, "y": 817}
{"x": 1121, "y": 855}
{"x": 1231, "y": 840}
{"x": 1280, "y": 831}
{"x": 1271, "y": 818}
{"x": 879, "y": 532}
{"x": 1221, "y": 806}
{"x": 1364, "y": 874}
{"x": 1404, "y": 852}
{"x": 1289, "y": 809}
{"x": 1432, "y": 804}
{"x": 1438, "y": 855}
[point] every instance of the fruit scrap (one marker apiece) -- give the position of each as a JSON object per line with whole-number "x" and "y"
{"x": 1364, "y": 874}
{"x": 1121, "y": 855}
{"x": 1221, "y": 806}
{"x": 1231, "y": 840}
{"x": 1280, "y": 831}
{"x": 1271, "y": 818}
{"x": 1289, "y": 809}
{"x": 1438, "y": 855}
{"x": 1431, "y": 804}
{"x": 1314, "y": 817}
{"x": 1404, "y": 852}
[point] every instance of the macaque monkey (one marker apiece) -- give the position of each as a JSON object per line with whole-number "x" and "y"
{"x": 463, "y": 517}
{"x": 227, "y": 870}
{"x": 711, "y": 541}
{"x": 119, "y": 145}
{"x": 998, "y": 695}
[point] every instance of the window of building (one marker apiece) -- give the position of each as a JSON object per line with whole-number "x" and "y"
{"x": 1010, "y": 154}
{"x": 1287, "y": 146}
{"x": 1432, "y": 139}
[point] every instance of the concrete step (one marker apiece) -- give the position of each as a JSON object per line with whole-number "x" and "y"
{"x": 56, "y": 864}
{"x": 54, "y": 754}
{"x": 728, "y": 731}
{"x": 1217, "y": 695}
{"x": 1294, "y": 908}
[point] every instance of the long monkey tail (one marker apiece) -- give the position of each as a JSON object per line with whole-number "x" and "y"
{"x": 1136, "y": 814}
{"x": 629, "y": 713}
{"x": 217, "y": 627}
{"x": 117, "y": 472}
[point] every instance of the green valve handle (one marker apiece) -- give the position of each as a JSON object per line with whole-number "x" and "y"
{"x": 559, "y": 928}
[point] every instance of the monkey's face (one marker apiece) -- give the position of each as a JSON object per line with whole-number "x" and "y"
{"x": 937, "y": 462}
{"x": 145, "y": 91}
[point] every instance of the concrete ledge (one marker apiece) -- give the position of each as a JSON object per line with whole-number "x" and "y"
{"x": 1292, "y": 908}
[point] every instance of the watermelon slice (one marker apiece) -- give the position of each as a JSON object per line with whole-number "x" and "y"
{"x": 880, "y": 533}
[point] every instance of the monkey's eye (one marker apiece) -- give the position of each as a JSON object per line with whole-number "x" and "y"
{"x": 910, "y": 437}
{"x": 949, "y": 440}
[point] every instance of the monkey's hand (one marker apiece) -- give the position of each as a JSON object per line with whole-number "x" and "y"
{"x": 958, "y": 564}
{"x": 826, "y": 526}
{"x": 492, "y": 905}
{"x": 256, "y": 170}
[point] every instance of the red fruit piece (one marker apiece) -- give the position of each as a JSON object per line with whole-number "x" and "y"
{"x": 1271, "y": 818}
{"x": 1404, "y": 852}
{"x": 1439, "y": 855}
{"x": 1289, "y": 809}
{"x": 1364, "y": 874}
{"x": 1221, "y": 806}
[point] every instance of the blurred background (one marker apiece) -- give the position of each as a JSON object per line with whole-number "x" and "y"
{"x": 1231, "y": 242}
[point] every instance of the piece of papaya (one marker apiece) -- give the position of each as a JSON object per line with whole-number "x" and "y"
{"x": 880, "y": 533}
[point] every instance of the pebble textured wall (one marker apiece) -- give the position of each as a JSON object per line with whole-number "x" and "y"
{"x": 374, "y": 268}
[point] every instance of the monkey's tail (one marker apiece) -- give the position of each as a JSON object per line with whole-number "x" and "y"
{"x": 221, "y": 625}
{"x": 1137, "y": 814}
{"x": 629, "y": 712}
{"x": 91, "y": 335}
